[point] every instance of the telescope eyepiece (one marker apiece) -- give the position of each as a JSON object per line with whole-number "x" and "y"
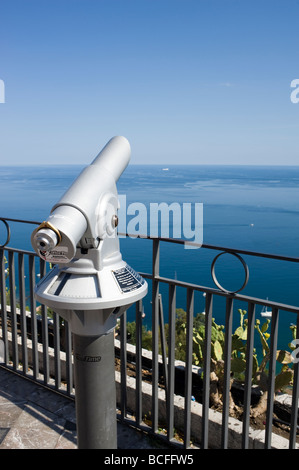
{"x": 46, "y": 239}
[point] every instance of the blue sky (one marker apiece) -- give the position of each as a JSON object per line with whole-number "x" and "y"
{"x": 186, "y": 81}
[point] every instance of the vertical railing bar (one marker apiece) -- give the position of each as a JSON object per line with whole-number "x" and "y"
{"x": 69, "y": 356}
{"x": 45, "y": 329}
{"x": 45, "y": 343}
{"x": 206, "y": 370}
{"x": 123, "y": 365}
{"x": 248, "y": 375}
{"x": 163, "y": 344}
{"x": 3, "y": 306}
{"x": 295, "y": 397}
{"x": 138, "y": 397}
{"x": 171, "y": 362}
{"x": 13, "y": 314}
{"x": 188, "y": 366}
{"x": 227, "y": 370}
{"x": 271, "y": 378}
{"x": 35, "y": 367}
{"x": 23, "y": 319}
{"x": 155, "y": 331}
{"x": 57, "y": 364}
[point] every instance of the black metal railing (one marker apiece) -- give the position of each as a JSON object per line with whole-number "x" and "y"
{"x": 39, "y": 346}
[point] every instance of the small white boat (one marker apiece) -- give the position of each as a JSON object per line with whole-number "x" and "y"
{"x": 266, "y": 313}
{"x": 165, "y": 169}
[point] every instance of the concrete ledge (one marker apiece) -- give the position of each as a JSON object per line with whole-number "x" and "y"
{"x": 256, "y": 437}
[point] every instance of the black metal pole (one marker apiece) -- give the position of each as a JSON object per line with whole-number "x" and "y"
{"x": 95, "y": 394}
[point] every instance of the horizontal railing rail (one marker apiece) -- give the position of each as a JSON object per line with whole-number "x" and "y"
{"x": 37, "y": 344}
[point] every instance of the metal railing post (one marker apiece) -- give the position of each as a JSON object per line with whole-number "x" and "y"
{"x": 171, "y": 359}
{"x": 188, "y": 366}
{"x": 227, "y": 369}
{"x": 248, "y": 375}
{"x": 155, "y": 331}
{"x": 206, "y": 371}
{"x": 271, "y": 378}
{"x": 4, "y": 348}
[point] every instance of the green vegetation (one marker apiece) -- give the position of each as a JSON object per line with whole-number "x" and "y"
{"x": 238, "y": 356}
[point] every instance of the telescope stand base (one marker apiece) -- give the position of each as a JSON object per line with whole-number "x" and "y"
{"x": 95, "y": 393}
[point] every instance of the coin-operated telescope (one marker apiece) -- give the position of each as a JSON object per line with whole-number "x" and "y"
{"x": 90, "y": 285}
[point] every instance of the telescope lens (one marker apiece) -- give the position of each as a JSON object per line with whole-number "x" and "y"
{"x": 46, "y": 239}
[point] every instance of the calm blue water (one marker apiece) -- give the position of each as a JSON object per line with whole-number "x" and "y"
{"x": 254, "y": 208}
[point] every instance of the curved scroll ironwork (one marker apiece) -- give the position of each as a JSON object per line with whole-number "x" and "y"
{"x": 8, "y": 233}
{"x": 246, "y": 270}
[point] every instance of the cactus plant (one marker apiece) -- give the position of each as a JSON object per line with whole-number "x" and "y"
{"x": 238, "y": 359}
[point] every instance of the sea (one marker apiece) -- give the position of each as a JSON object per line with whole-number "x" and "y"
{"x": 253, "y": 208}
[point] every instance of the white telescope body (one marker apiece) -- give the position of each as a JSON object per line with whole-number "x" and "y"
{"x": 78, "y": 218}
{"x": 90, "y": 284}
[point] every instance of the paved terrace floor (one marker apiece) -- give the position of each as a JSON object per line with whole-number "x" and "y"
{"x": 33, "y": 417}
